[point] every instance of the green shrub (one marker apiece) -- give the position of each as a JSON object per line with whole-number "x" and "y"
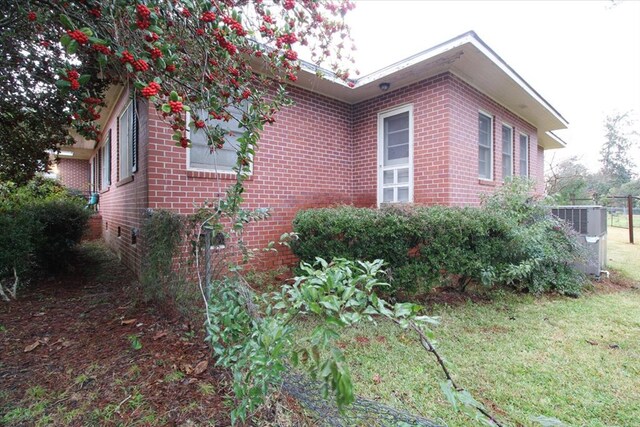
{"x": 511, "y": 240}
{"x": 59, "y": 225}
{"x": 164, "y": 280}
{"x": 41, "y": 223}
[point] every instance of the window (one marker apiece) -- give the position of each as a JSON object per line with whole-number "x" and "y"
{"x": 524, "y": 155}
{"x": 507, "y": 151}
{"x": 201, "y": 156}
{"x": 105, "y": 156}
{"x": 395, "y": 156}
{"x": 128, "y": 141}
{"x": 485, "y": 146}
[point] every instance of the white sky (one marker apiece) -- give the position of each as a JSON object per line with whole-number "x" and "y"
{"x": 583, "y": 57}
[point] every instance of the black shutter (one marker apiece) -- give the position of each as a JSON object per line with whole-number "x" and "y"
{"x": 134, "y": 137}
{"x": 108, "y": 154}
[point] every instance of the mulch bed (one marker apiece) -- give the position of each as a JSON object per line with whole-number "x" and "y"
{"x": 68, "y": 355}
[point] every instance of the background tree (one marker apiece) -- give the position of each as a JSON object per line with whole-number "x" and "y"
{"x": 218, "y": 59}
{"x": 568, "y": 181}
{"x": 32, "y": 109}
{"x": 615, "y": 158}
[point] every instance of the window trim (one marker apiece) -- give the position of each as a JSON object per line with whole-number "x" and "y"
{"x": 528, "y": 156}
{"x": 132, "y": 151}
{"x": 512, "y": 154}
{"x": 229, "y": 172}
{"x": 380, "y": 175}
{"x": 105, "y": 160}
{"x": 491, "y": 147}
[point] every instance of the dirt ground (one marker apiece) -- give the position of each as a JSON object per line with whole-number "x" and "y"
{"x": 80, "y": 350}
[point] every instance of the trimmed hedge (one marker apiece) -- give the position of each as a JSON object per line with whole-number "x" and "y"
{"x": 512, "y": 240}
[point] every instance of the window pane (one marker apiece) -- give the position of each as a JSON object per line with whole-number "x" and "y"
{"x": 403, "y": 194}
{"x": 524, "y": 155}
{"x": 387, "y": 195}
{"x": 484, "y": 130}
{"x": 398, "y": 154}
{"x": 396, "y": 123}
{"x": 388, "y": 177}
{"x": 484, "y": 162}
{"x": 202, "y": 157}
{"x": 396, "y": 139}
{"x": 403, "y": 176}
{"x": 124, "y": 141}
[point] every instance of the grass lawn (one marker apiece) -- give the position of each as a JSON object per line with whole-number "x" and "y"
{"x": 577, "y": 360}
{"x": 621, "y": 255}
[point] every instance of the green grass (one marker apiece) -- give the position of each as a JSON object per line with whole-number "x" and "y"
{"x": 621, "y": 255}
{"x": 622, "y": 220}
{"x": 522, "y": 357}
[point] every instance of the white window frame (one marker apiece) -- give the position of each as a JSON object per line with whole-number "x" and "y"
{"x": 381, "y": 168}
{"x": 223, "y": 170}
{"x": 491, "y": 148}
{"x": 526, "y": 157}
{"x": 126, "y": 167}
{"x": 511, "y": 166}
{"x": 105, "y": 160}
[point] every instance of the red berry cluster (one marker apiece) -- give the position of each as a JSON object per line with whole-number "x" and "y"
{"x": 184, "y": 142}
{"x": 96, "y": 13}
{"x": 140, "y": 65}
{"x": 144, "y": 14}
{"x": 186, "y": 13}
{"x": 246, "y": 94}
{"x": 152, "y": 89}
{"x": 72, "y": 78}
{"x": 208, "y": 17}
{"x": 31, "y": 16}
{"x": 151, "y": 37}
{"x": 92, "y": 100}
{"x": 170, "y": 68}
{"x": 292, "y": 77}
{"x": 102, "y": 49}
{"x": 235, "y": 26}
{"x": 199, "y": 124}
{"x": 289, "y": 4}
{"x": 176, "y": 106}
{"x": 126, "y": 56}
{"x": 78, "y": 36}
{"x": 227, "y": 45}
{"x": 291, "y": 55}
{"x": 289, "y": 38}
{"x": 156, "y": 53}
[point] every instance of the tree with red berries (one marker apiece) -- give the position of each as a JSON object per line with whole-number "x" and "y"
{"x": 218, "y": 59}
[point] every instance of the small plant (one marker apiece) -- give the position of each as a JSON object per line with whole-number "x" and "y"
{"x": 174, "y": 376}
{"x": 134, "y": 341}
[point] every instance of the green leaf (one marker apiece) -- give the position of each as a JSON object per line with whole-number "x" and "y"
{"x": 165, "y": 108}
{"x": 174, "y": 96}
{"x": 156, "y": 29}
{"x": 87, "y": 31}
{"x": 63, "y": 84}
{"x": 547, "y": 421}
{"x": 65, "y": 40}
{"x": 66, "y": 22}
{"x": 72, "y": 47}
{"x": 84, "y": 79}
{"x": 450, "y": 394}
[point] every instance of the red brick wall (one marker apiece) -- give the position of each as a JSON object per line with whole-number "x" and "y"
{"x": 304, "y": 160}
{"x": 465, "y": 104}
{"x": 320, "y": 152}
{"x": 445, "y": 114}
{"x": 430, "y": 139}
{"x": 123, "y": 203}
{"x": 74, "y": 173}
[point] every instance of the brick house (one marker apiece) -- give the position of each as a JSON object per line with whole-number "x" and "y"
{"x": 441, "y": 127}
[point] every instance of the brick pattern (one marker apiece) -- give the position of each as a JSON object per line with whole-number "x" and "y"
{"x": 74, "y": 174}
{"x": 122, "y": 204}
{"x": 320, "y": 152}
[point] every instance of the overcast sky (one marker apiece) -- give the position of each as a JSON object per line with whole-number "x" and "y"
{"x": 583, "y": 57}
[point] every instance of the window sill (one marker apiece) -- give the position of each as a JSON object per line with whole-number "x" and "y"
{"x": 487, "y": 182}
{"x": 124, "y": 181}
{"x": 106, "y": 190}
{"x": 231, "y": 176}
